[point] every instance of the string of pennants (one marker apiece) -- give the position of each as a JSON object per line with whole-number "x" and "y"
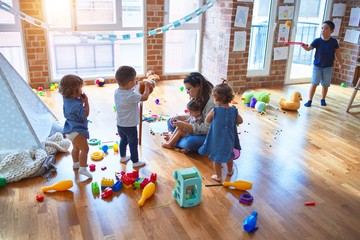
{"x": 114, "y": 37}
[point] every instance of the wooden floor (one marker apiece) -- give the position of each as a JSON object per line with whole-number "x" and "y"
{"x": 290, "y": 157}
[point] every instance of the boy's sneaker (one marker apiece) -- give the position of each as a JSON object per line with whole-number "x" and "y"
{"x": 308, "y": 104}
{"x": 139, "y": 164}
{"x": 124, "y": 159}
{"x": 322, "y": 102}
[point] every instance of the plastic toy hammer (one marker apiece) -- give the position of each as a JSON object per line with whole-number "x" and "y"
{"x": 240, "y": 185}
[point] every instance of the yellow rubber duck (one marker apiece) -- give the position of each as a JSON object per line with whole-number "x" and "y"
{"x": 292, "y": 104}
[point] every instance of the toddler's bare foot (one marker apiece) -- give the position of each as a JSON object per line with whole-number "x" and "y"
{"x": 231, "y": 173}
{"x": 166, "y": 145}
{"x": 216, "y": 178}
{"x": 184, "y": 151}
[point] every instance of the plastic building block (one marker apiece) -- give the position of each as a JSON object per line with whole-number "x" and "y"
{"x": 95, "y": 188}
{"x": 117, "y": 186}
{"x": 138, "y": 182}
{"x": 106, "y": 182}
{"x": 127, "y": 186}
{"x": 144, "y": 183}
{"x": 107, "y": 193}
{"x": 188, "y": 187}
{"x": 153, "y": 177}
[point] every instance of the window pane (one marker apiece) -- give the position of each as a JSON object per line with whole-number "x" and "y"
{"x": 186, "y": 59}
{"x": 91, "y": 58}
{"x": 11, "y": 48}
{"x": 58, "y": 13}
{"x": 132, "y": 13}
{"x": 95, "y": 11}
{"x": 259, "y": 35}
{"x": 181, "y": 8}
{"x": 6, "y": 17}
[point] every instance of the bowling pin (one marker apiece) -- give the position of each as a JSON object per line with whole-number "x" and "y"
{"x": 147, "y": 192}
{"x": 59, "y": 186}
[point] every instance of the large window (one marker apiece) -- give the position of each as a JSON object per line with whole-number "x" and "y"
{"x": 182, "y": 44}
{"x": 261, "y": 39}
{"x": 88, "y": 38}
{"x": 11, "y": 45}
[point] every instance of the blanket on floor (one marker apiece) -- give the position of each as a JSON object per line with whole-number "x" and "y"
{"x": 36, "y": 162}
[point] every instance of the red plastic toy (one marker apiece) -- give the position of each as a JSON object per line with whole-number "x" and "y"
{"x": 92, "y": 167}
{"x": 39, "y": 197}
{"x": 107, "y": 193}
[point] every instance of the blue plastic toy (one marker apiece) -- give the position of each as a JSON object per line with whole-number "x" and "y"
{"x": 117, "y": 186}
{"x": 249, "y": 223}
{"x": 188, "y": 185}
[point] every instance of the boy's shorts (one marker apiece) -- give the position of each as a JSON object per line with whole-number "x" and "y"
{"x": 71, "y": 136}
{"x": 322, "y": 75}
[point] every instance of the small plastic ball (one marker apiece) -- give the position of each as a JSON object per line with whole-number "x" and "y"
{"x": 56, "y": 85}
{"x": 52, "y": 88}
{"x": 157, "y": 101}
{"x": 34, "y": 90}
{"x": 41, "y": 93}
{"x": 182, "y": 88}
{"x": 40, "y": 88}
{"x": 288, "y": 23}
{"x": 100, "y": 82}
{"x": 343, "y": 84}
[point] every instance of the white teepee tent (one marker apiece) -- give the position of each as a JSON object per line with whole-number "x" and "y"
{"x": 25, "y": 121}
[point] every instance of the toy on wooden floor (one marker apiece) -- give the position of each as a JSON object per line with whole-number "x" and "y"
{"x": 39, "y": 197}
{"x": 246, "y": 198}
{"x": 249, "y": 223}
{"x": 240, "y": 185}
{"x": 97, "y": 156}
{"x": 292, "y": 104}
{"x": 148, "y": 191}
{"x": 59, "y": 186}
{"x": 188, "y": 186}
{"x": 93, "y": 141}
{"x": 2, "y": 181}
{"x": 108, "y": 192}
{"x": 100, "y": 82}
{"x": 92, "y": 167}
{"x": 309, "y": 203}
{"x": 106, "y": 182}
{"x": 95, "y": 188}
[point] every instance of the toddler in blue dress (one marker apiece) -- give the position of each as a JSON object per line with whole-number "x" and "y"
{"x": 222, "y": 137}
{"x": 76, "y": 110}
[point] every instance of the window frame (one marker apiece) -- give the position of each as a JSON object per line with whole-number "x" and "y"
{"x": 269, "y": 45}
{"x": 17, "y": 28}
{"x": 117, "y": 26}
{"x": 188, "y": 26}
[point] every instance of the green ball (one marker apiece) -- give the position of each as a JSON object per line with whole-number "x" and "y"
{"x": 343, "y": 84}
{"x": 182, "y": 88}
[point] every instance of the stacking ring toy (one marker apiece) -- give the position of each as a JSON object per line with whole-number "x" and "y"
{"x": 97, "y": 156}
{"x": 94, "y": 141}
{"x": 246, "y": 198}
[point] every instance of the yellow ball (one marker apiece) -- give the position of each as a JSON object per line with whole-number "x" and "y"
{"x": 52, "y": 88}
{"x": 56, "y": 85}
{"x": 288, "y": 23}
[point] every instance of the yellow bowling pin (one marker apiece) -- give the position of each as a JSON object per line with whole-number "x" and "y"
{"x": 59, "y": 186}
{"x": 147, "y": 192}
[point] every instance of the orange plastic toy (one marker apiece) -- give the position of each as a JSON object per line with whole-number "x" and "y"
{"x": 148, "y": 191}
{"x": 59, "y": 186}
